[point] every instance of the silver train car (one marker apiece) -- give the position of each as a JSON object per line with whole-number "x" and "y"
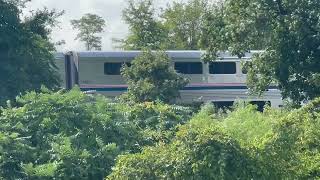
{"x": 221, "y": 82}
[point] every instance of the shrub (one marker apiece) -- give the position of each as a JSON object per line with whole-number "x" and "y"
{"x": 242, "y": 144}
{"x": 59, "y": 135}
{"x": 201, "y": 150}
{"x": 75, "y": 136}
{"x": 294, "y": 146}
{"x": 157, "y": 121}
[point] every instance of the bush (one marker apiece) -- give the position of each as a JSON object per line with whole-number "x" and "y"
{"x": 157, "y": 121}
{"x": 201, "y": 150}
{"x": 248, "y": 126}
{"x": 242, "y": 144}
{"x": 75, "y": 136}
{"x": 70, "y": 135}
{"x": 284, "y": 142}
{"x": 294, "y": 146}
{"x": 58, "y": 135}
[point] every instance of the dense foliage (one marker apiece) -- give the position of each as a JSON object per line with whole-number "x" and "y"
{"x": 26, "y": 54}
{"x": 89, "y": 26}
{"x": 72, "y": 135}
{"x": 244, "y": 144}
{"x": 287, "y": 31}
{"x": 75, "y": 136}
{"x": 200, "y": 151}
{"x": 151, "y": 77}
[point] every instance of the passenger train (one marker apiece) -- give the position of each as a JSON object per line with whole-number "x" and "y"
{"x": 221, "y": 81}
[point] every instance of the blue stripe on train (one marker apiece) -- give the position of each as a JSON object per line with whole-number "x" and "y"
{"x": 112, "y": 89}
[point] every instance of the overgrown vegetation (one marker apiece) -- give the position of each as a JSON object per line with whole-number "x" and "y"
{"x": 77, "y": 136}
{"x": 244, "y": 144}
{"x": 72, "y": 135}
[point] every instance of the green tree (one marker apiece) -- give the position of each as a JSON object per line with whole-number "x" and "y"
{"x": 183, "y": 22}
{"x": 89, "y": 26}
{"x": 26, "y": 54}
{"x": 289, "y": 31}
{"x": 145, "y": 31}
{"x": 151, "y": 77}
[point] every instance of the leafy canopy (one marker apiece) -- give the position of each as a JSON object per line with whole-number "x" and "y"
{"x": 26, "y": 54}
{"x": 177, "y": 26}
{"x": 183, "y": 21}
{"x": 89, "y": 26}
{"x": 289, "y": 34}
{"x": 145, "y": 31}
{"x": 151, "y": 78}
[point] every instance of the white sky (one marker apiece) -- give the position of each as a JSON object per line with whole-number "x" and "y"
{"x": 110, "y": 10}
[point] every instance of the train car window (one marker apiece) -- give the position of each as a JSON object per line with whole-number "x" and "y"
{"x": 228, "y": 104}
{"x": 188, "y": 67}
{"x": 223, "y": 104}
{"x": 112, "y": 68}
{"x": 222, "y": 68}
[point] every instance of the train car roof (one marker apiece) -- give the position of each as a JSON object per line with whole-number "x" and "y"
{"x": 132, "y": 54}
